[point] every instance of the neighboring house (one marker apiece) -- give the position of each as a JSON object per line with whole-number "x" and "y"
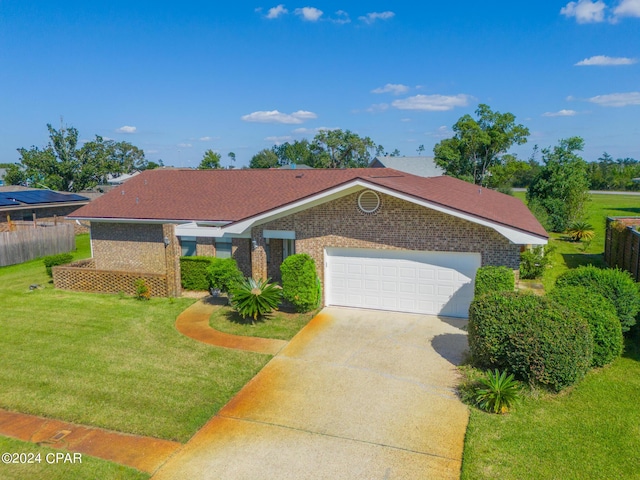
{"x": 120, "y": 179}
{"x": 421, "y": 166}
{"x": 3, "y": 172}
{"x": 380, "y": 238}
{"x": 25, "y": 204}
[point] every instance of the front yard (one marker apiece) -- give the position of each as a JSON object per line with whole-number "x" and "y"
{"x": 107, "y": 361}
{"x": 590, "y": 431}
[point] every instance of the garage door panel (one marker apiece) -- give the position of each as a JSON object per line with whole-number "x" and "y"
{"x": 410, "y": 281}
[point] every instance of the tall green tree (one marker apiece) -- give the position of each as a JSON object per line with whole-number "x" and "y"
{"x": 479, "y": 144}
{"x": 210, "y": 161}
{"x": 299, "y": 152}
{"x": 62, "y": 165}
{"x": 341, "y": 149}
{"x": 264, "y": 159}
{"x": 561, "y": 187}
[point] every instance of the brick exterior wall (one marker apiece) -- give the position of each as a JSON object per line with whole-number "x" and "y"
{"x": 396, "y": 225}
{"x": 129, "y": 247}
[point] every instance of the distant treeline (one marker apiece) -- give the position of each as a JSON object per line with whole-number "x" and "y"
{"x": 604, "y": 174}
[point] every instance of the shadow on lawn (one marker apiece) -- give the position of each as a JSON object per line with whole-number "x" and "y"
{"x": 573, "y": 260}
{"x": 631, "y": 210}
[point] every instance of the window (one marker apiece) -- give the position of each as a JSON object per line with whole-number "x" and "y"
{"x": 188, "y": 245}
{"x": 223, "y": 248}
{"x": 288, "y": 247}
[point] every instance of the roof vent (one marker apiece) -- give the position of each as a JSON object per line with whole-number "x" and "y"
{"x": 368, "y": 201}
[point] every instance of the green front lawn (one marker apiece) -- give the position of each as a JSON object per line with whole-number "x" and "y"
{"x": 280, "y": 325}
{"x": 589, "y": 432}
{"x": 109, "y": 361}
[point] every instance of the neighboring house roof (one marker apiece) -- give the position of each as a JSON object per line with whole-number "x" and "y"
{"x": 122, "y": 178}
{"x": 295, "y": 166}
{"x": 15, "y": 197}
{"x": 422, "y": 166}
{"x": 237, "y": 199}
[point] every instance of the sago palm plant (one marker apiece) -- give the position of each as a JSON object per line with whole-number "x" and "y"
{"x": 498, "y": 393}
{"x": 581, "y": 231}
{"x": 255, "y": 298}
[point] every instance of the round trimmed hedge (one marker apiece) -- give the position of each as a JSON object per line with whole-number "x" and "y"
{"x": 601, "y": 315}
{"x": 300, "y": 284}
{"x": 538, "y": 340}
{"x": 494, "y": 279}
{"x": 615, "y": 285}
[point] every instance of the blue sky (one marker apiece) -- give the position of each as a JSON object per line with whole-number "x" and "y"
{"x": 178, "y": 78}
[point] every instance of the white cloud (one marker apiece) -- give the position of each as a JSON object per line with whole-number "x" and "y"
{"x": 276, "y": 12}
{"x": 432, "y": 103}
{"x": 342, "y": 17}
{"x": 616, "y": 99}
{"x": 205, "y": 139}
{"x": 126, "y": 129}
{"x": 395, "y": 88}
{"x": 628, "y": 8}
{"x": 441, "y": 132}
{"x": 274, "y": 116}
{"x": 585, "y": 11}
{"x": 378, "y": 107}
{"x": 604, "y": 61}
{"x": 279, "y": 140}
{"x": 560, "y": 113}
{"x": 185, "y": 145}
{"x": 373, "y": 16}
{"x": 310, "y": 14}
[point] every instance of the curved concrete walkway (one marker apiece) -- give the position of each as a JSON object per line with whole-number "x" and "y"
{"x": 194, "y": 323}
{"x": 143, "y": 453}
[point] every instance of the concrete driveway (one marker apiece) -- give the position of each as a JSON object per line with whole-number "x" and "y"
{"x": 357, "y": 394}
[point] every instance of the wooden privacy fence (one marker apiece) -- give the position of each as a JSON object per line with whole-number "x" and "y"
{"x": 622, "y": 244}
{"x": 26, "y": 244}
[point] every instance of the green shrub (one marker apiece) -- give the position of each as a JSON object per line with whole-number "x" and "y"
{"x": 300, "y": 282}
{"x": 223, "y": 274}
{"x": 497, "y": 392}
{"x": 55, "y": 260}
{"x": 255, "y": 298}
{"x": 600, "y": 313}
{"x": 532, "y": 337}
{"x": 193, "y": 272}
{"x": 494, "y": 279}
{"x": 615, "y": 285}
{"x": 142, "y": 290}
{"x": 534, "y": 262}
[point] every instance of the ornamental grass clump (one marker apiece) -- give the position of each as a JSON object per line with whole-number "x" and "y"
{"x": 255, "y": 298}
{"x": 498, "y": 392}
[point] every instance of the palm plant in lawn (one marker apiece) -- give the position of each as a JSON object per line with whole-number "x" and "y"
{"x": 255, "y": 298}
{"x": 579, "y": 231}
{"x": 500, "y": 391}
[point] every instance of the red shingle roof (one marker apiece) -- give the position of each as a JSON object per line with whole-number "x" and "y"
{"x": 234, "y": 195}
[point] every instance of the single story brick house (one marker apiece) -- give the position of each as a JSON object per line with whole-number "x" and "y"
{"x": 380, "y": 238}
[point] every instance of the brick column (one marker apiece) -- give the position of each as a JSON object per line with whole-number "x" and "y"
{"x": 172, "y": 260}
{"x": 258, "y": 258}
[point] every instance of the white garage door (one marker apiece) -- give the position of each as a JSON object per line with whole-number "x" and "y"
{"x": 434, "y": 283}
